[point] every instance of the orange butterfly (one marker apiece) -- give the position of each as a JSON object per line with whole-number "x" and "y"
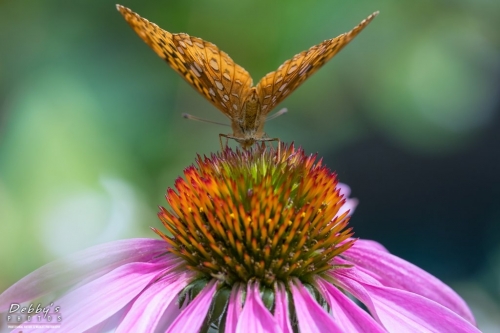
{"x": 227, "y": 85}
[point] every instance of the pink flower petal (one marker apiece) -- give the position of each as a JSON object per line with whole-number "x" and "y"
{"x": 103, "y": 297}
{"x": 350, "y": 203}
{"x": 369, "y": 244}
{"x": 255, "y": 317}
{"x": 88, "y": 264}
{"x": 347, "y": 279}
{"x": 349, "y": 316}
{"x": 345, "y": 189}
{"x": 400, "y": 310}
{"x": 398, "y": 273}
{"x": 149, "y": 308}
{"x": 110, "y": 324}
{"x": 234, "y": 309}
{"x": 281, "y": 314}
{"x": 311, "y": 316}
{"x": 193, "y": 316}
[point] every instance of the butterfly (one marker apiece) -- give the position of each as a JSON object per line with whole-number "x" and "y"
{"x": 227, "y": 85}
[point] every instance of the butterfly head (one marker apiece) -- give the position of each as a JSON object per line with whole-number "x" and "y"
{"x": 246, "y": 143}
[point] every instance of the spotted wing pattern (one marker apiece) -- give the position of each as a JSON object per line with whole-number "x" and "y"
{"x": 276, "y": 86}
{"x": 209, "y": 70}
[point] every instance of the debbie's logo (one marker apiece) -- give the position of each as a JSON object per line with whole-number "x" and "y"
{"x": 34, "y": 314}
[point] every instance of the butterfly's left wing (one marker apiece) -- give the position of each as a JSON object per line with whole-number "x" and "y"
{"x": 202, "y": 64}
{"x": 276, "y": 86}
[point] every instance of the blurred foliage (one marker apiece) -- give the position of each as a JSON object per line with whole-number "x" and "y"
{"x": 408, "y": 114}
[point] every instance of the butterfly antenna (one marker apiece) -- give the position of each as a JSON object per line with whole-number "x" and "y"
{"x": 277, "y": 114}
{"x": 191, "y": 117}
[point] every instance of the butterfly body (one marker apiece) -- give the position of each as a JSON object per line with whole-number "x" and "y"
{"x": 227, "y": 85}
{"x": 248, "y": 125}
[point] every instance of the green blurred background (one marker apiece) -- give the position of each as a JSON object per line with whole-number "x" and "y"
{"x": 91, "y": 133}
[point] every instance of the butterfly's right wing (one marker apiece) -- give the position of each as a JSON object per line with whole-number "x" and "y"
{"x": 206, "y": 68}
{"x": 276, "y": 86}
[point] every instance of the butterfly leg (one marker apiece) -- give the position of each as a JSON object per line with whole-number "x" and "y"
{"x": 271, "y": 140}
{"x": 220, "y": 140}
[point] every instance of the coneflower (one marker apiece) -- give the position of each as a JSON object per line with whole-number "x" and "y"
{"x": 255, "y": 241}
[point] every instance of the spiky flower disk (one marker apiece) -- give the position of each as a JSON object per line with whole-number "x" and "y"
{"x": 256, "y": 215}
